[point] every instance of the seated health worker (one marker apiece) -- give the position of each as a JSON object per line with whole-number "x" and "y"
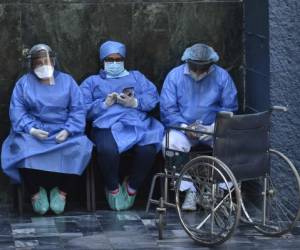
{"x": 192, "y": 95}
{"x": 46, "y": 147}
{"x": 117, "y": 103}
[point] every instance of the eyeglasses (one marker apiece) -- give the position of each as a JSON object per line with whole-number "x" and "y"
{"x": 198, "y": 67}
{"x": 108, "y": 59}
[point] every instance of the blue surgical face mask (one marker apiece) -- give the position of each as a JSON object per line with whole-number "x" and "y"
{"x": 114, "y": 68}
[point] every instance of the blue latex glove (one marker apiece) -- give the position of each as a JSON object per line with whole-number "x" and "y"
{"x": 39, "y": 133}
{"x": 62, "y": 136}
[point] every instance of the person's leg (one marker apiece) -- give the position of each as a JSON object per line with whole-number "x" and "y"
{"x": 143, "y": 158}
{"x": 34, "y": 180}
{"x": 178, "y": 141}
{"x": 59, "y": 192}
{"x": 68, "y": 182}
{"x": 108, "y": 157}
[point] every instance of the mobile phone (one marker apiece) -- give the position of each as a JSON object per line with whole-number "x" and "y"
{"x": 128, "y": 91}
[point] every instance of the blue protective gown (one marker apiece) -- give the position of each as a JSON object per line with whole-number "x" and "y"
{"x": 50, "y": 108}
{"x": 184, "y": 100}
{"x": 129, "y": 126}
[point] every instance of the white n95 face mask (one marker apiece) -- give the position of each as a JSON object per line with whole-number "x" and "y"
{"x": 44, "y": 72}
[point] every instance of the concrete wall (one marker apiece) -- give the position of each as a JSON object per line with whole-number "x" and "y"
{"x": 284, "y": 20}
{"x": 156, "y": 33}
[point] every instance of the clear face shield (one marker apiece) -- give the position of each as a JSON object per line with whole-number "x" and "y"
{"x": 41, "y": 61}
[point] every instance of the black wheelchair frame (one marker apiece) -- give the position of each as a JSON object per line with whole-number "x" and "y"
{"x": 240, "y": 155}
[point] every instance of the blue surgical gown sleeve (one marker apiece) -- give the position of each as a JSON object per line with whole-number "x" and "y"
{"x": 20, "y": 117}
{"x": 147, "y": 95}
{"x": 76, "y": 117}
{"x": 169, "y": 110}
{"x": 94, "y": 106}
{"x": 229, "y": 95}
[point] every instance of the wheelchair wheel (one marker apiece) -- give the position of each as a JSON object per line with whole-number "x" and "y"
{"x": 218, "y": 201}
{"x": 160, "y": 226}
{"x": 161, "y": 211}
{"x": 273, "y": 202}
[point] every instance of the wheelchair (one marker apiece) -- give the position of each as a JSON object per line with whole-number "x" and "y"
{"x": 240, "y": 178}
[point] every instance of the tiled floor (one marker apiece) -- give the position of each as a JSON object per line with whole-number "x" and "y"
{"x": 119, "y": 230}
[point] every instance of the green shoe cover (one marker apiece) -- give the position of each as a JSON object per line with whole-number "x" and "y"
{"x": 115, "y": 201}
{"x": 128, "y": 199}
{"x": 41, "y": 205}
{"x": 57, "y": 202}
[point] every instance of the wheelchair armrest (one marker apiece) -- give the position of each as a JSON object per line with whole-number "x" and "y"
{"x": 279, "y": 108}
{"x": 188, "y": 130}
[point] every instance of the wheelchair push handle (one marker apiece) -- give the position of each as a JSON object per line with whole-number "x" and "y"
{"x": 279, "y": 108}
{"x": 226, "y": 114}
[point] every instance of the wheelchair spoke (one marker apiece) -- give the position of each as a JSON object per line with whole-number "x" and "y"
{"x": 270, "y": 218}
{"x": 282, "y": 198}
{"x": 214, "y": 209}
{"x": 284, "y": 212}
{"x": 216, "y": 217}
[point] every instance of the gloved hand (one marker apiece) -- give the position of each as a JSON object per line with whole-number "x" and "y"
{"x": 38, "y": 133}
{"x": 111, "y": 99}
{"x": 61, "y": 136}
{"x": 127, "y": 101}
{"x": 207, "y": 128}
{"x": 197, "y": 126}
{"x": 190, "y": 134}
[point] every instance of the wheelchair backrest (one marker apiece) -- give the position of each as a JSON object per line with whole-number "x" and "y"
{"x": 242, "y": 143}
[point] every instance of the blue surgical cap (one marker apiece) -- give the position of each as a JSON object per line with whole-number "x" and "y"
{"x": 200, "y": 52}
{"x": 111, "y": 47}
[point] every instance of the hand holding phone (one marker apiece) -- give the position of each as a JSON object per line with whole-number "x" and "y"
{"x": 127, "y": 99}
{"x": 128, "y": 91}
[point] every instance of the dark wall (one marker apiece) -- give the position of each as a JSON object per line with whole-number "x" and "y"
{"x": 155, "y": 32}
{"x": 257, "y": 55}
